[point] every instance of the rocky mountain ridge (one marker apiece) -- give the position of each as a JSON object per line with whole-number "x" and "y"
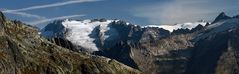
{"x": 211, "y": 48}
{"x": 24, "y": 51}
{"x": 155, "y": 50}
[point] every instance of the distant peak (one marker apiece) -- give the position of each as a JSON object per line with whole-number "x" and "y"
{"x": 207, "y": 24}
{"x": 171, "y": 28}
{"x": 222, "y": 13}
{"x": 236, "y": 16}
{"x": 221, "y": 16}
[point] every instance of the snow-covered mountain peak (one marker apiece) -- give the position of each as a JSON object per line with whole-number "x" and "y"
{"x": 179, "y": 26}
{"x": 94, "y": 35}
{"x": 218, "y": 27}
{"x": 224, "y": 25}
{"x": 83, "y": 33}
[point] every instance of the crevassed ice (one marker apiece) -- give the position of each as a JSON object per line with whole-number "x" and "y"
{"x": 81, "y": 32}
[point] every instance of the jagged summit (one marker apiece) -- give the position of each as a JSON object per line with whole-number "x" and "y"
{"x": 207, "y": 24}
{"x": 221, "y": 16}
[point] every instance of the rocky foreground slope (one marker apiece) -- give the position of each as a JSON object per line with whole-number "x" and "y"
{"x": 24, "y": 51}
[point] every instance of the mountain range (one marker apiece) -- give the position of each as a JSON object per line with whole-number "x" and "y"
{"x": 119, "y": 47}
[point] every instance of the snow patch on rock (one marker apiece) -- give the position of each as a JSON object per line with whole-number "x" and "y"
{"x": 219, "y": 27}
{"x": 178, "y": 26}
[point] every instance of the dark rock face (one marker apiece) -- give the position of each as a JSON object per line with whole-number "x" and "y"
{"x": 180, "y": 31}
{"x": 101, "y": 20}
{"x": 236, "y": 17}
{"x": 221, "y": 16}
{"x": 120, "y": 52}
{"x": 23, "y": 51}
{"x": 63, "y": 43}
{"x": 2, "y": 19}
{"x": 127, "y": 32}
{"x": 198, "y": 28}
{"x": 217, "y": 54}
{"x": 57, "y": 28}
{"x": 152, "y": 34}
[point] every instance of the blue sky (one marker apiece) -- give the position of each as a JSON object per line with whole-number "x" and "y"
{"x": 140, "y": 12}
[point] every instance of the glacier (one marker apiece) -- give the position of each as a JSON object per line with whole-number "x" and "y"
{"x": 93, "y": 34}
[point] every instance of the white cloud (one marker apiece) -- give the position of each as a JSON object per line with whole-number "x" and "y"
{"x": 180, "y": 11}
{"x": 24, "y": 14}
{"x": 52, "y": 19}
{"x": 41, "y": 19}
{"x": 50, "y": 5}
{"x": 27, "y": 15}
